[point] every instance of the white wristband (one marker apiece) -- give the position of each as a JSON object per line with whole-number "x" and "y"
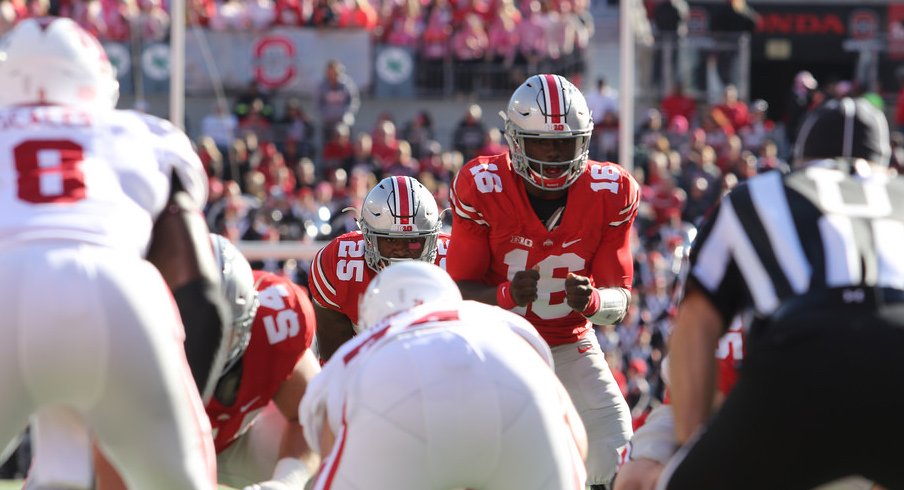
{"x": 291, "y": 471}
{"x": 613, "y": 306}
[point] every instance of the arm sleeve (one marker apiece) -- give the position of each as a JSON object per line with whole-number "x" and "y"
{"x": 469, "y": 252}
{"x": 323, "y": 283}
{"x": 613, "y": 263}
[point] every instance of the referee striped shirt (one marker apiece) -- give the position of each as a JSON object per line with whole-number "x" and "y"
{"x": 783, "y": 235}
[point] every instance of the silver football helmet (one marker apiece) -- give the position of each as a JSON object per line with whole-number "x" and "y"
{"x": 402, "y": 286}
{"x": 398, "y": 207}
{"x": 51, "y": 60}
{"x": 237, "y": 286}
{"x": 548, "y": 106}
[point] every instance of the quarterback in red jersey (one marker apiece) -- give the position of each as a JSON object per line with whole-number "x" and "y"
{"x": 399, "y": 220}
{"x": 544, "y": 232}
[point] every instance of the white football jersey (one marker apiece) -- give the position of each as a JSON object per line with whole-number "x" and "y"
{"x": 101, "y": 177}
{"x": 326, "y": 393}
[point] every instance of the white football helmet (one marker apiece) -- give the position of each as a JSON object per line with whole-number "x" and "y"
{"x": 402, "y": 286}
{"x": 398, "y": 207}
{"x": 548, "y": 106}
{"x": 237, "y": 286}
{"x": 51, "y": 60}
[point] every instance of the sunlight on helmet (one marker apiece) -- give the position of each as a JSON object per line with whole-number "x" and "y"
{"x": 399, "y": 207}
{"x": 237, "y": 285}
{"x": 51, "y": 60}
{"x": 404, "y": 285}
{"x": 548, "y": 107}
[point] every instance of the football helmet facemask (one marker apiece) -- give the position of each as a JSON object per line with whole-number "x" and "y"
{"x": 548, "y": 106}
{"x": 237, "y": 286}
{"x": 51, "y": 60}
{"x": 398, "y": 207}
{"x": 402, "y": 286}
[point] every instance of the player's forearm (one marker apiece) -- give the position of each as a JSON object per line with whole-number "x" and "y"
{"x": 478, "y": 291}
{"x": 333, "y": 330}
{"x": 293, "y": 446}
{"x": 692, "y": 366}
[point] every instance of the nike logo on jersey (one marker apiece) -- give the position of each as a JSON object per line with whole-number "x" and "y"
{"x": 244, "y": 408}
{"x": 568, "y": 244}
{"x": 582, "y": 350}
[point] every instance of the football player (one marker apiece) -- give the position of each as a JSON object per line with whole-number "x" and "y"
{"x": 254, "y": 409}
{"x": 399, "y": 220}
{"x": 544, "y": 232}
{"x": 101, "y": 238}
{"x": 430, "y": 379}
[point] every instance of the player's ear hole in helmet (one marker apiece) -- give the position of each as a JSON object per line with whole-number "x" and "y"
{"x": 401, "y": 212}
{"x": 548, "y": 127}
{"x": 404, "y": 285}
{"x": 237, "y": 286}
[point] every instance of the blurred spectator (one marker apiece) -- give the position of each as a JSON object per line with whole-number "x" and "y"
{"x": 606, "y": 137}
{"x": 732, "y": 19}
{"x": 404, "y": 26}
{"x": 231, "y": 15}
{"x": 385, "y": 145}
{"x": 504, "y": 39}
{"x": 768, "y": 158}
{"x": 670, "y": 17}
{"x": 362, "y": 154}
{"x": 337, "y": 99}
{"x": 246, "y": 98}
{"x": 419, "y": 132}
{"x": 734, "y": 109}
{"x": 677, "y": 104}
{"x": 758, "y": 128}
{"x": 602, "y": 100}
{"x": 535, "y": 45}
{"x": 469, "y": 45}
{"x": 469, "y": 133}
{"x": 326, "y": 13}
{"x": 220, "y": 125}
{"x": 337, "y": 150}
{"x": 292, "y": 12}
{"x": 801, "y": 99}
{"x": 358, "y": 14}
{"x": 298, "y": 131}
{"x": 256, "y": 121}
{"x": 403, "y": 163}
{"x": 492, "y": 143}
{"x": 152, "y": 21}
{"x": 434, "y": 45}
{"x": 899, "y": 107}
{"x": 201, "y": 11}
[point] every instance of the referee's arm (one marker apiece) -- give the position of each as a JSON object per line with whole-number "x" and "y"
{"x": 692, "y": 363}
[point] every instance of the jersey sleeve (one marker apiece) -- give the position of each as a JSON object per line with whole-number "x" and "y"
{"x": 613, "y": 263}
{"x": 175, "y": 152}
{"x": 325, "y": 286}
{"x": 469, "y": 254}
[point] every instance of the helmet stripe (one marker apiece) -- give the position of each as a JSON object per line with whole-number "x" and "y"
{"x": 404, "y": 200}
{"x": 554, "y": 99}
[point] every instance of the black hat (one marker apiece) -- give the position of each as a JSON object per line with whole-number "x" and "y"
{"x": 844, "y": 128}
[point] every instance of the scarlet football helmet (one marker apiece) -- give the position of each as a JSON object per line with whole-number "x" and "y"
{"x": 548, "y": 106}
{"x": 51, "y": 60}
{"x": 237, "y": 285}
{"x": 398, "y": 207}
{"x": 402, "y": 286}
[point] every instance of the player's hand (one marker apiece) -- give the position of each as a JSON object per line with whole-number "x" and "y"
{"x": 638, "y": 474}
{"x": 577, "y": 292}
{"x": 524, "y": 287}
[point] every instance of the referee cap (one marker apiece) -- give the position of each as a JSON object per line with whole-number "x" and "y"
{"x": 844, "y": 128}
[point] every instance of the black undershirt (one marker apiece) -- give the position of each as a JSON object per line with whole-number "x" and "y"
{"x": 545, "y": 208}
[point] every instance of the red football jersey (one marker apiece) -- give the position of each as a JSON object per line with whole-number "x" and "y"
{"x": 339, "y": 275}
{"x": 497, "y": 233}
{"x": 282, "y": 330}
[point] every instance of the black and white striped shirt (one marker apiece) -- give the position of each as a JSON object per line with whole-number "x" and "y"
{"x": 781, "y": 236}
